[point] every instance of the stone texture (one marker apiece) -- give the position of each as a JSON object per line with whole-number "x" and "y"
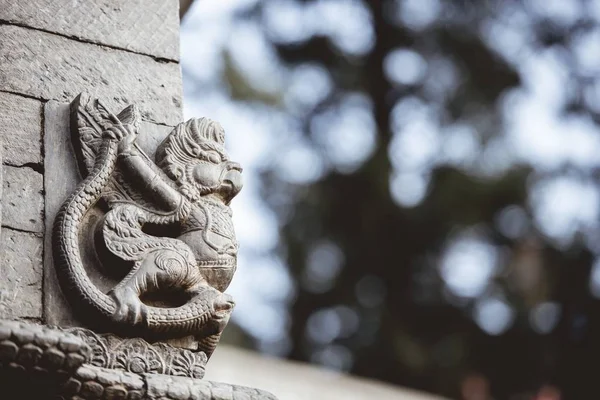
{"x": 22, "y": 201}
{"x": 21, "y": 269}
{"x": 151, "y": 135}
{"x": 1, "y": 191}
{"x": 124, "y": 354}
{"x": 47, "y": 66}
{"x": 143, "y": 26}
{"x": 20, "y": 129}
{"x": 60, "y": 174}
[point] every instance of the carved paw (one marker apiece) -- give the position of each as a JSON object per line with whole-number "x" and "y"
{"x": 129, "y": 308}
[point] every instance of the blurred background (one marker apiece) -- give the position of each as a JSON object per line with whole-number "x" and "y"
{"x": 421, "y": 201}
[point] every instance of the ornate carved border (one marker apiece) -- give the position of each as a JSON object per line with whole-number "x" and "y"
{"x": 138, "y": 356}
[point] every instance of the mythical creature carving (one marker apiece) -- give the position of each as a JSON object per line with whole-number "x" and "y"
{"x": 166, "y": 231}
{"x": 167, "y": 227}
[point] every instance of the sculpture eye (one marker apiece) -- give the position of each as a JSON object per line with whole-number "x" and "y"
{"x": 213, "y": 157}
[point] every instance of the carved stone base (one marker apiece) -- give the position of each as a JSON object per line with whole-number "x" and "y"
{"x": 138, "y": 356}
{"x": 45, "y": 363}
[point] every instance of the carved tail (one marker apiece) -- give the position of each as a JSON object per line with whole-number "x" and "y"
{"x": 195, "y": 317}
{"x": 67, "y": 258}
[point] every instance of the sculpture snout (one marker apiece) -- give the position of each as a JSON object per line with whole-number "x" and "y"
{"x": 232, "y": 181}
{"x": 224, "y": 303}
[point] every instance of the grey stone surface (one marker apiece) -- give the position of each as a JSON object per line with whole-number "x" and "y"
{"x": 20, "y": 129}
{"x": 144, "y": 26}
{"x": 151, "y": 135}
{"x": 61, "y": 177}
{"x": 22, "y": 199}
{"x": 139, "y": 356}
{"x": 47, "y": 66}
{"x": 1, "y": 184}
{"x": 21, "y": 270}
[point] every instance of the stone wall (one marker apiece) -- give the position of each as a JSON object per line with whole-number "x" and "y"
{"x": 122, "y": 51}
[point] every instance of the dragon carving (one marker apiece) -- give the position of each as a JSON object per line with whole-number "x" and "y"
{"x": 167, "y": 230}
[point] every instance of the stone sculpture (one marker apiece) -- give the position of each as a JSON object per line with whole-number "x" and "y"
{"x": 190, "y": 195}
{"x": 167, "y": 236}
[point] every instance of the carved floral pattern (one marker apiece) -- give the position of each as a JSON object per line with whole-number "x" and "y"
{"x": 54, "y": 363}
{"x": 100, "y": 353}
{"x": 138, "y": 356}
{"x": 184, "y": 363}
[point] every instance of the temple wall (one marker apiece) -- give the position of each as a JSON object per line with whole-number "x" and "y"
{"x": 121, "y": 51}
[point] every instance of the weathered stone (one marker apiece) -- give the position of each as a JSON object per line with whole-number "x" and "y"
{"x": 1, "y": 184}
{"x": 47, "y": 66}
{"x": 126, "y": 353}
{"x": 21, "y": 270}
{"x": 143, "y": 26}
{"x": 20, "y": 129}
{"x": 60, "y": 174}
{"x": 133, "y": 173}
{"x": 200, "y": 257}
{"x": 151, "y": 135}
{"x": 22, "y": 201}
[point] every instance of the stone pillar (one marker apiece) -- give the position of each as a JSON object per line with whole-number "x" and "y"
{"x": 122, "y": 51}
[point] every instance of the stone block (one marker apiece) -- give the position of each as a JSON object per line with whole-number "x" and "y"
{"x": 46, "y": 66}
{"x": 143, "y": 26}
{"x": 20, "y": 129}
{"x": 21, "y": 269}
{"x": 22, "y": 199}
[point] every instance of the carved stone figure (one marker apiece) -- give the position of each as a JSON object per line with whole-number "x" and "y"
{"x": 167, "y": 229}
{"x": 164, "y": 234}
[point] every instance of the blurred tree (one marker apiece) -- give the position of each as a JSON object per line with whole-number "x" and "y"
{"x": 444, "y": 229}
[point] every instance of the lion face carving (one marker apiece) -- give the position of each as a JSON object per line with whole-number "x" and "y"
{"x": 194, "y": 157}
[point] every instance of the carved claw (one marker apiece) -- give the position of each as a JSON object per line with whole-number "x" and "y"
{"x": 129, "y": 308}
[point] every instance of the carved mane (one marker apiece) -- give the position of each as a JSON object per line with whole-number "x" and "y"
{"x": 186, "y": 147}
